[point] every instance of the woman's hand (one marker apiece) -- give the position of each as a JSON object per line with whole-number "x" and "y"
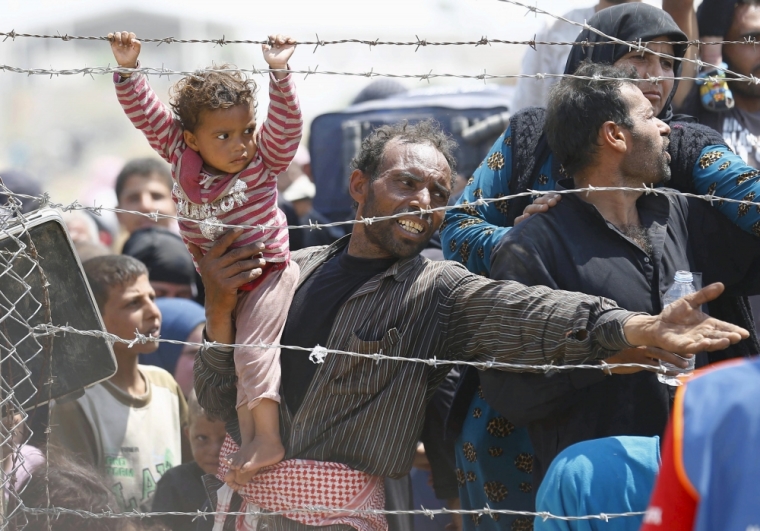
{"x": 541, "y": 204}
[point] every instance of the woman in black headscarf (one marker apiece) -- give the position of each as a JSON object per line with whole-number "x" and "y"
{"x": 632, "y": 23}
{"x": 521, "y": 160}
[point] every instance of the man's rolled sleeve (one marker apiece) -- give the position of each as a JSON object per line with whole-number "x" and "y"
{"x": 597, "y": 333}
{"x": 608, "y": 329}
{"x": 215, "y": 380}
{"x": 218, "y": 359}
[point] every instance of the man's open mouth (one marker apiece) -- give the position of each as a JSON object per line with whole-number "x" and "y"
{"x": 411, "y": 226}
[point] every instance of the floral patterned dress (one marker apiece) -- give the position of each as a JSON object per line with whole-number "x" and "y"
{"x": 494, "y": 468}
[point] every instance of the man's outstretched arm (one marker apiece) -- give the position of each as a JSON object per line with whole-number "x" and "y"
{"x": 509, "y": 322}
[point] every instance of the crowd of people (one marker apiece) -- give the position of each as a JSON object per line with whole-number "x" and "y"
{"x": 297, "y": 436}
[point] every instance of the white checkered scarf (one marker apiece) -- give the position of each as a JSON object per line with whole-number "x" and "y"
{"x": 302, "y": 484}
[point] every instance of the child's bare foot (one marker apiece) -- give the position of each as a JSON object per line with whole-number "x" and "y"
{"x": 261, "y": 452}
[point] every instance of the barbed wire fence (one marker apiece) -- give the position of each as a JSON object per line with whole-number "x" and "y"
{"x": 21, "y": 309}
{"x": 43, "y": 332}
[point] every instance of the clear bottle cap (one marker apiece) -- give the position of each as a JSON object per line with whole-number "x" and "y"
{"x": 684, "y": 276}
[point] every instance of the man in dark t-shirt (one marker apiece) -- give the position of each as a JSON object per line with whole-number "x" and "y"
{"x": 622, "y": 245}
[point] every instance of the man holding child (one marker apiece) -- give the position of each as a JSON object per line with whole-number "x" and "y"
{"x": 368, "y": 414}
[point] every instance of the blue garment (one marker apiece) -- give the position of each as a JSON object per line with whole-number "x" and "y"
{"x": 179, "y": 317}
{"x": 468, "y": 235}
{"x": 722, "y": 173}
{"x": 423, "y": 496}
{"x": 610, "y": 475}
{"x": 494, "y": 467}
{"x": 721, "y": 435}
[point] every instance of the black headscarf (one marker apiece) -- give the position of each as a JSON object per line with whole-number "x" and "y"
{"x": 628, "y": 22}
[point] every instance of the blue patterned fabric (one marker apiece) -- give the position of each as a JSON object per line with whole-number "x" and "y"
{"x": 468, "y": 235}
{"x": 722, "y": 173}
{"x": 494, "y": 466}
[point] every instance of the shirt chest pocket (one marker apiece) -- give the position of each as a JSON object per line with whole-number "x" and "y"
{"x": 360, "y": 375}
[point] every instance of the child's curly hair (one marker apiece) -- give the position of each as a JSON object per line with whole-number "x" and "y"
{"x": 210, "y": 89}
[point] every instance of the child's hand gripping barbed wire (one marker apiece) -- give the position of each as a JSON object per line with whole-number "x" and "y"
{"x": 125, "y": 48}
{"x": 278, "y": 52}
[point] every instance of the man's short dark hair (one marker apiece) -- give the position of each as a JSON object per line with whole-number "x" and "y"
{"x": 370, "y": 156}
{"x": 106, "y": 272}
{"x": 577, "y": 108}
{"x": 143, "y": 167}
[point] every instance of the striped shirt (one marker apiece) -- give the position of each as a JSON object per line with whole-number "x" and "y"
{"x": 247, "y": 198}
{"x": 368, "y": 414}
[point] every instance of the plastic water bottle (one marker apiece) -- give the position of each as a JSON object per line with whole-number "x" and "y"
{"x": 682, "y": 286}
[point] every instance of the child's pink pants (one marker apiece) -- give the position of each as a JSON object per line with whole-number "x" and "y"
{"x": 260, "y": 316}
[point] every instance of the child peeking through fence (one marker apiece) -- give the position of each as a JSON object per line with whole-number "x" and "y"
{"x": 225, "y": 173}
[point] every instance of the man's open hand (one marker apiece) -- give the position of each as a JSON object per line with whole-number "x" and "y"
{"x": 682, "y": 328}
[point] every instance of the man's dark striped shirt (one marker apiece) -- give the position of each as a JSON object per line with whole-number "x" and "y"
{"x": 368, "y": 414}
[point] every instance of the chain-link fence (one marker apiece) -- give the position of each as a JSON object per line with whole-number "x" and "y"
{"x": 20, "y": 347}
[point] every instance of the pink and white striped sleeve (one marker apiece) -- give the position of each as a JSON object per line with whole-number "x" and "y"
{"x": 281, "y": 132}
{"x": 149, "y": 114}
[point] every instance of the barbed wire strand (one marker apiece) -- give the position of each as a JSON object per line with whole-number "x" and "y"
{"x": 417, "y": 43}
{"x": 44, "y": 200}
{"x": 319, "y": 353}
{"x": 485, "y": 76}
{"x": 431, "y": 513}
{"x": 637, "y": 45}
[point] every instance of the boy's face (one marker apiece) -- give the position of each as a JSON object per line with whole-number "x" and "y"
{"x": 225, "y": 138}
{"x": 147, "y": 194}
{"x": 206, "y": 439}
{"x": 132, "y": 307}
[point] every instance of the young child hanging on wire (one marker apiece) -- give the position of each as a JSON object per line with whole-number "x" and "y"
{"x": 225, "y": 173}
